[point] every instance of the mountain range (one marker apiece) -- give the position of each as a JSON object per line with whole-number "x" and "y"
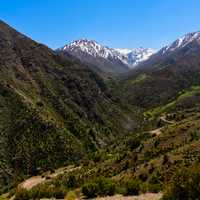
{"x": 105, "y": 59}
{"x": 64, "y": 123}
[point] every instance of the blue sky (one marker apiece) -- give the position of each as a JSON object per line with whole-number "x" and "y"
{"x": 116, "y": 23}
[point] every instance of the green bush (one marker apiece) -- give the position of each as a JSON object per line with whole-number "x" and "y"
{"x": 71, "y": 182}
{"x": 71, "y": 195}
{"x": 47, "y": 191}
{"x": 133, "y": 143}
{"x": 40, "y": 191}
{"x": 90, "y": 190}
{"x": 22, "y": 194}
{"x": 155, "y": 188}
{"x": 155, "y": 182}
{"x": 184, "y": 185}
{"x": 106, "y": 187}
{"x": 99, "y": 187}
{"x": 132, "y": 187}
{"x": 144, "y": 187}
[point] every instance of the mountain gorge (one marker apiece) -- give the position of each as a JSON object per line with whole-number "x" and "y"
{"x": 65, "y": 123}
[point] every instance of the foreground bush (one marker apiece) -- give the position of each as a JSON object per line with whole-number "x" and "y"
{"x": 99, "y": 187}
{"x": 71, "y": 195}
{"x": 40, "y": 191}
{"x": 90, "y": 190}
{"x": 184, "y": 185}
{"x": 22, "y": 194}
{"x": 132, "y": 187}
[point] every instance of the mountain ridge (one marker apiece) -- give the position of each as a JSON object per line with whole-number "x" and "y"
{"x": 183, "y": 46}
{"x": 112, "y": 60}
{"x": 182, "y": 42}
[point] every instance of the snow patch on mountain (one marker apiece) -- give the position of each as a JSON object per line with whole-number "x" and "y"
{"x": 127, "y": 56}
{"x": 181, "y": 42}
{"x": 124, "y": 51}
{"x": 135, "y": 56}
{"x": 90, "y": 47}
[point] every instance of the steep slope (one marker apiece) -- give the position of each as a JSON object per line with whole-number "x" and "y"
{"x": 53, "y": 111}
{"x": 105, "y": 59}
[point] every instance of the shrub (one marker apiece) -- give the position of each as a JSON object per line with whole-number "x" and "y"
{"x": 165, "y": 159}
{"x": 155, "y": 188}
{"x": 133, "y": 143}
{"x": 106, "y": 187}
{"x": 22, "y": 194}
{"x": 71, "y": 182}
{"x": 47, "y": 191}
{"x": 40, "y": 191}
{"x": 71, "y": 195}
{"x": 184, "y": 185}
{"x": 132, "y": 187}
{"x": 99, "y": 187}
{"x": 155, "y": 182}
{"x": 144, "y": 187}
{"x": 90, "y": 190}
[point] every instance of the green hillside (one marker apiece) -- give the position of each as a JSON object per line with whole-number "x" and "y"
{"x": 53, "y": 111}
{"x": 82, "y": 135}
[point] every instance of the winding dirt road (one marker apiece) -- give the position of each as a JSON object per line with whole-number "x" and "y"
{"x": 147, "y": 196}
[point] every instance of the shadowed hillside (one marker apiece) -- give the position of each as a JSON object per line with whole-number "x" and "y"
{"x": 54, "y": 111}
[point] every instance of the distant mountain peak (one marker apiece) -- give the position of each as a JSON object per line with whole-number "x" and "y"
{"x": 90, "y": 47}
{"x": 129, "y": 57}
{"x": 83, "y": 41}
{"x": 182, "y": 42}
{"x": 135, "y": 56}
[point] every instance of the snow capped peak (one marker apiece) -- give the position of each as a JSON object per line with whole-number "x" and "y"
{"x": 123, "y": 51}
{"x": 83, "y": 43}
{"x": 127, "y": 56}
{"x": 90, "y": 47}
{"x": 182, "y": 42}
{"x": 135, "y": 56}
